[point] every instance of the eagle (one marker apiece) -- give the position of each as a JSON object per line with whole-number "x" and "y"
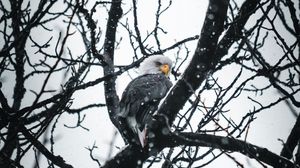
{"x": 142, "y": 95}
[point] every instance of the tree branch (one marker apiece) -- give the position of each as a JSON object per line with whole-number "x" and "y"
{"x": 292, "y": 141}
{"x": 57, "y": 160}
{"x": 229, "y": 144}
{"x": 111, "y": 97}
{"x": 210, "y": 33}
{"x": 202, "y": 62}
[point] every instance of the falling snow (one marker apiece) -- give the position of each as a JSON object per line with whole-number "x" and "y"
{"x": 210, "y": 16}
{"x": 165, "y": 131}
{"x": 224, "y": 141}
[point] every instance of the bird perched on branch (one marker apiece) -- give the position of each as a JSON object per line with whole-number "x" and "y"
{"x": 142, "y": 96}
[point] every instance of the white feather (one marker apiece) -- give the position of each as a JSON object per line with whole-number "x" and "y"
{"x": 142, "y": 136}
{"x": 134, "y": 126}
{"x": 149, "y": 66}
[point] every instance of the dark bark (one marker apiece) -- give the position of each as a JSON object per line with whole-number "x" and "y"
{"x": 230, "y": 144}
{"x": 19, "y": 89}
{"x": 111, "y": 97}
{"x": 292, "y": 141}
{"x": 131, "y": 156}
{"x": 297, "y": 162}
{"x": 57, "y": 160}
{"x": 208, "y": 53}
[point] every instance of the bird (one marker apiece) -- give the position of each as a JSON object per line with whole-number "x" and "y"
{"x": 142, "y": 96}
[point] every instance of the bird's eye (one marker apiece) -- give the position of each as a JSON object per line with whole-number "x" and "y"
{"x": 158, "y": 64}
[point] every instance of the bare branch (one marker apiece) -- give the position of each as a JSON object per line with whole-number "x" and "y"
{"x": 57, "y": 160}
{"x": 230, "y": 144}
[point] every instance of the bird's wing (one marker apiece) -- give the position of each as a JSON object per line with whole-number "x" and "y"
{"x": 142, "y": 96}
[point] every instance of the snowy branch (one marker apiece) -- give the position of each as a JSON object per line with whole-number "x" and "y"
{"x": 230, "y": 144}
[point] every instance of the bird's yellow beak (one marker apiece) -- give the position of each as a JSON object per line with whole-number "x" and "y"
{"x": 165, "y": 69}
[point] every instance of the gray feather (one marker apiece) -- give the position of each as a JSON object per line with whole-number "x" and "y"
{"x": 142, "y": 95}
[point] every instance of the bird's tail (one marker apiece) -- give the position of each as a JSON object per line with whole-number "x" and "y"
{"x": 142, "y": 136}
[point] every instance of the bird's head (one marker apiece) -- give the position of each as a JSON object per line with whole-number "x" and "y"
{"x": 156, "y": 64}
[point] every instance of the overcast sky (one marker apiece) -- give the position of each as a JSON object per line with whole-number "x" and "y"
{"x": 184, "y": 19}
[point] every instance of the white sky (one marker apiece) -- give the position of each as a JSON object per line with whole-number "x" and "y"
{"x": 184, "y": 19}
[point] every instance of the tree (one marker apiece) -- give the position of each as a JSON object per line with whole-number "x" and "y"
{"x": 194, "y": 124}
